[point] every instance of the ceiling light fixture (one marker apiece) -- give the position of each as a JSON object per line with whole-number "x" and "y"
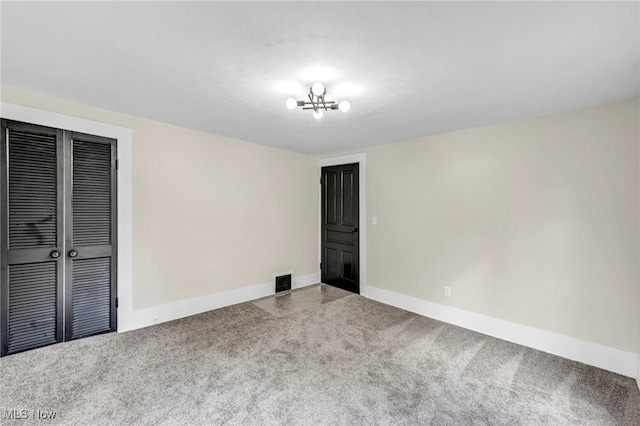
{"x": 317, "y": 103}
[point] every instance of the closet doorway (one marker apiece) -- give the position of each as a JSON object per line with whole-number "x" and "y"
{"x": 58, "y": 236}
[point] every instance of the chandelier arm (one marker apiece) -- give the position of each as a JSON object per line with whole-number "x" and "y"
{"x": 314, "y": 103}
{"x": 326, "y": 105}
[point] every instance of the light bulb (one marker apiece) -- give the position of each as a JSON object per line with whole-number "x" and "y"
{"x": 344, "y": 106}
{"x": 317, "y": 114}
{"x": 291, "y": 103}
{"x": 317, "y": 88}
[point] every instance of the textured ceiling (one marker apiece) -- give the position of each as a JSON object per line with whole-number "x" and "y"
{"x": 409, "y": 69}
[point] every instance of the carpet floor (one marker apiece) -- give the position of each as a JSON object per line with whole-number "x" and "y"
{"x": 314, "y": 356}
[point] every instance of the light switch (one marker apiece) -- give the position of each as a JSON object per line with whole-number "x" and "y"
{"x": 374, "y": 220}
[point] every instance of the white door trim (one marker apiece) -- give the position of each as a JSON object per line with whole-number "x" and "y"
{"x": 361, "y": 159}
{"x": 125, "y": 208}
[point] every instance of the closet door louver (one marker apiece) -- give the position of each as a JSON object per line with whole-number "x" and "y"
{"x": 91, "y": 297}
{"x": 33, "y": 190}
{"x": 32, "y": 314}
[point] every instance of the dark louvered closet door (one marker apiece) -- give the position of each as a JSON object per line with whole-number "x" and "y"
{"x": 90, "y": 282}
{"x": 58, "y": 228}
{"x": 31, "y": 237}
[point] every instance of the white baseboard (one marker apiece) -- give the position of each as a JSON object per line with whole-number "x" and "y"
{"x": 184, "y": 308}
{"x": 605, "y": 357}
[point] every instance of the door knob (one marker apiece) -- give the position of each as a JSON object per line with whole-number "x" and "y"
{"x": 354, "y": 230}
{"x": 54, "y": 254}
{"x": 73, "y": 253}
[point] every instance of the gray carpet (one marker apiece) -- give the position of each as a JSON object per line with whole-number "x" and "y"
{"x": 317, "y": 355}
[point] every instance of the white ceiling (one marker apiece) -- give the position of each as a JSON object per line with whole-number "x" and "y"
{"x": 409, "y": 69}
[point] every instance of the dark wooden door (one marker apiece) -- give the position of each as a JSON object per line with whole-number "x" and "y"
{"x": 340, "y": 251}
{"x": 57, "y": 236}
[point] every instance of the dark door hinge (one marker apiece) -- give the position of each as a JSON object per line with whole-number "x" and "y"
{"x": 117, "y": 164}
{"x": 117, "y": 302}
{"x": 321, "y": 181}
{"x": 320, "y": 265}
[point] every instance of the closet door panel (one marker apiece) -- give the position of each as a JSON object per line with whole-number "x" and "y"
{"x": 90, "y": 236}
{"x": 31, "y": 237}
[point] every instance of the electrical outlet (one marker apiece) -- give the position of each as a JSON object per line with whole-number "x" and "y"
{"x": 447, "y": 291}
{"x": 374, "y": 220}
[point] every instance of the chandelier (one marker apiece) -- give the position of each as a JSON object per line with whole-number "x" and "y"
{"x": 317, "y": 102}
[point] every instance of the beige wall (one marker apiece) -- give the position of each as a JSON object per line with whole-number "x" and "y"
{"x": 532, "y": 221}
{"x": 210, "y": 214}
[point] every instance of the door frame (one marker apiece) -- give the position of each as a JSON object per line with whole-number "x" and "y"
{"x": 361, "y": 159}
{"x": 124, "y": 241}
